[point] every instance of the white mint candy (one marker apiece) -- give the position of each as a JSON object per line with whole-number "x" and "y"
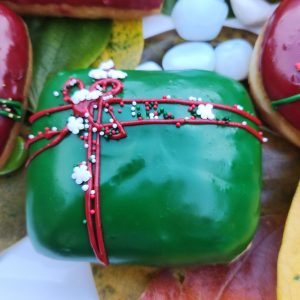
{"x": 149, "y": 66}
{"x": 233, "y": 58}
{"x": 192, "y": 55}
{"x": 199, "y": 20}
{"x": 252, "y": 12}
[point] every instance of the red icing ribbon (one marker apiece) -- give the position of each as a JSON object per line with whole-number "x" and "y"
{"x": 116, "y": 130}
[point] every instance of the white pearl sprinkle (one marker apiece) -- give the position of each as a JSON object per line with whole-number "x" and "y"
{"x": 86, "y": 145}
{"x": 156, "y": 117}
{"x": 240, "y": 107}
{"x": 55, "y": 93}
{"x": 85, "y": 187}
{"x": 86, "y": 134}
{"x": 31, "y": 136}
{"x": 111, "y": 120}
{"x": 168, "y": 97}
{"x": 86, "y": 114}
{"x": 54, "y": 128}
{"x": 151, "y": 115}
{"x": 192, "y": 98}
{"x": 86, "y": 126}
{"x": 133, "y": 113}
{"x": 115, "y": 125}
{"x": 244, "y": 123}
{"x": 134, "y": 103}
{"x": 83, "y": 163}
{"x": 95, "y": 106}
{"x": 94, "y": 129}
{"x": 106, "y": 110}
{"x": 265, "y": 139}
{"x": 133, "y": 108}
{"x": 101, "y": 132}
{"x": 93, "y": 192}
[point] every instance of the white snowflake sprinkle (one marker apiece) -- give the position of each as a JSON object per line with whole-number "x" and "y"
{"x": 75, "y": 124}
{"x": 81, "y": 174}
{"x": 205, "y": 111}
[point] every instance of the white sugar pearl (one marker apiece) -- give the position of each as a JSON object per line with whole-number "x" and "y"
{"x": 252, "y": 12}
{"x": 199, "y": 20}
{"x": 193, "y": 55}
{"x": 149, "y": 66}
{"x": 233, "y": 58}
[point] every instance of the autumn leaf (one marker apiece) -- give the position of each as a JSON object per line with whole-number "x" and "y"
{"x": 253, "y": 275}
{"x": 289, "y": 256}
{"x": 126, "y": 45}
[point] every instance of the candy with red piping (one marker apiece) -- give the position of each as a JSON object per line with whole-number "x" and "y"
{"x": 274, "y": 72}
{"x": 15, "y": 57}
{"x": 176, "y": 183}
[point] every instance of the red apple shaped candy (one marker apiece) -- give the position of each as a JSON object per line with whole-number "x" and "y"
{"x": 15, "y": 59}
{"x": 275, "y": 71}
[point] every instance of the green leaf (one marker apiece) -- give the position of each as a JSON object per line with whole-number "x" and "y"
{"x": 168, "y": 6}
{"x": 63, "y": 44}
{"x": 16, "y": 159}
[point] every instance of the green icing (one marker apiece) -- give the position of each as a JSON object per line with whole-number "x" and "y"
{"x": 169, "y": 196}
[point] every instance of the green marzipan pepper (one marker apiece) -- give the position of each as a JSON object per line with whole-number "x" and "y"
{"x": 169, "y": 196}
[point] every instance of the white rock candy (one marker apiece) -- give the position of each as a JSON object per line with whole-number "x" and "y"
{"x": 252, "y": 12}
{"x": 199, "y": 20}
{"x": 192, "y": 55}
{"x": 233, "y": 57}
{"x": 149, "y": 66}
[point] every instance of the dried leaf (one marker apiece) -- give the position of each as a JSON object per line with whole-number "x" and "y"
{"x": 289, "y": 257}
{"x": 253, "y": 275}
{"x": 126, "y": 45}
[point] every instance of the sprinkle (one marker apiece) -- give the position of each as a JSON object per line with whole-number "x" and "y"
{"x": 106, "y": 110}
{"x": 265, "y": 139}
{"x": 85, "y": 187}
{"x": 55, "y": 93}
{"x": 95, "y": 106}
{"x": 244, "y": 123}
{"x": 132, "y": 108}
{"x": 111, "y": 120}
{"x": 92, "y": 212}
{"x": 101, "y": 133}
{"x": 151, "y": 115}
{"x": 192, "y": 98}
{"x": 134, "y": 103}
{"x": 86, "y": 126}
{"x": 31, "y": 136}
{"x": 133, "y": 113}
{"x": 239, "y": 107}
{"x": 86, "y": 134}
{"x": 54, "y": 128}
{"x": 84, "y": 221}
{"x": 86, "y": 146}
{"x": 94, "y": 129}
{"x": 93, "y": 192}
{"x": 115, "y": 125}
{"x": 86, "y": 114}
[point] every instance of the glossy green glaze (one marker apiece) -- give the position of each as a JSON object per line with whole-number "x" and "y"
{"x": 170, "y": 196}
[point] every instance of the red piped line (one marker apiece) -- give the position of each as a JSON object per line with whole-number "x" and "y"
{"x": 61, "y": 134}
{"x": 232, "y": 109}
{"x": 49, "y": 111}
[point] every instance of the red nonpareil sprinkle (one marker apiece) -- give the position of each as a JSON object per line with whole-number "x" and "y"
{"x": 297, "y": 66}
{"x": 178, "y": 124}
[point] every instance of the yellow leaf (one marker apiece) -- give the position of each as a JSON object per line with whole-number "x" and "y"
{"x": 288, "y": 285}
{"x": 126, "y": 45}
